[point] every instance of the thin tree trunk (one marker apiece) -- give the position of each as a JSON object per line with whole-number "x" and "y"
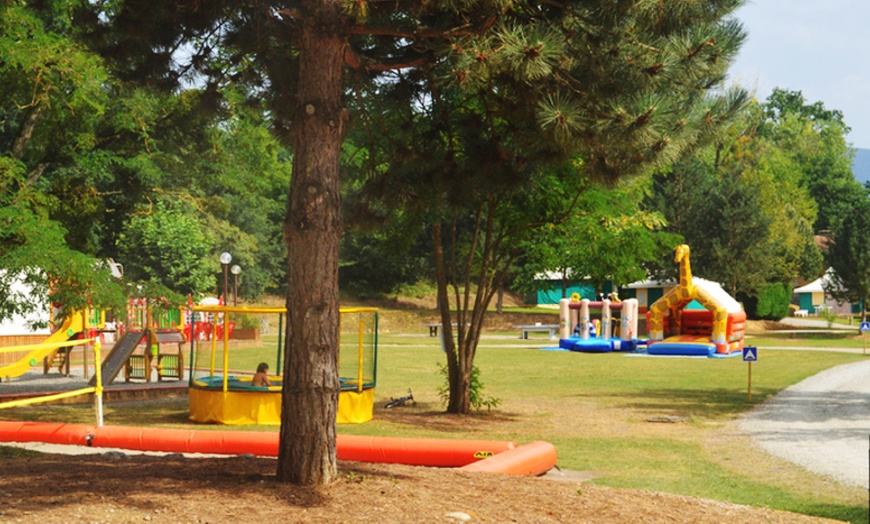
{"x": 864, "y": 309}
{"x": 307, "y": 453}
{"x": 25, "y": 132}
{"x": 457, "y": 375}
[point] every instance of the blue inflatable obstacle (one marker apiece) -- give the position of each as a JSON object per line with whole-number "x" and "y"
{"x": 687, "y": 346}
{"x": 683, "y": 346}
{"x": 597, "y": 345}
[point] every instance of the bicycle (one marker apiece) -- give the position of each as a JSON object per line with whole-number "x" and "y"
{"x": 401, "y": 401}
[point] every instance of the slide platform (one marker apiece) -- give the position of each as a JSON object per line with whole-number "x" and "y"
{"x": 120, "y": 352}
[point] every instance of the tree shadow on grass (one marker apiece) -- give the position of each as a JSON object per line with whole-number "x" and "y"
{"x": 424, "y": 416}
{"x": 842, "y": 512}
{"x": 716, "y": 403}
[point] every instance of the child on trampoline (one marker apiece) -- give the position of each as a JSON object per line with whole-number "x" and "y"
{"x": 261, "y": 378}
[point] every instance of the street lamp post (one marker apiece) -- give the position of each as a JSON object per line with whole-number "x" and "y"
{"x": 235, "y": 270}
{"x": 226, "y": 258}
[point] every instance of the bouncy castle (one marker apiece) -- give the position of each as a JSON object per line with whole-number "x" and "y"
{"x": 717, "y": 330}
{"x": 574, "y": 313}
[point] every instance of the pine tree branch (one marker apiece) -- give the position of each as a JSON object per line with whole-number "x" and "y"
{"x": 290, "y": 14}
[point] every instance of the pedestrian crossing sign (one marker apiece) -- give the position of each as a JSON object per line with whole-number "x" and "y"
{"x": 750, "y": 354}
{"x": 865, "y": 327}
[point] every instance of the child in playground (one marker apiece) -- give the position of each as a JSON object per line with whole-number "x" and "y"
{"x": 261, "y": 378}
{"x": 592, "y": 331}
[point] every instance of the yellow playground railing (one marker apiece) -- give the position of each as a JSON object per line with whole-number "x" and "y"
{"x": 97, "y": 390}
{"x": 143, "y": 313}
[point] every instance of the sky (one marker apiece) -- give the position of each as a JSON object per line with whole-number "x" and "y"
{"x": 818, "y": 47}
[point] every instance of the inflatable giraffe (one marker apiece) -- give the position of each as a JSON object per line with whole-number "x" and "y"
{"x": 676, "y": 299}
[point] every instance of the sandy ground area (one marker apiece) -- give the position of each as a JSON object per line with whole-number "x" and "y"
{"x": 115, "y": 487}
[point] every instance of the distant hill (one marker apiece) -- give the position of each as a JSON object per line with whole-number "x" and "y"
{"x": 861, "y": 165}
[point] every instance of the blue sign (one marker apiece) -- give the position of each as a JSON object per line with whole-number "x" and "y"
{"x": 865, "y": 327}
{"x": 750, "y": 354}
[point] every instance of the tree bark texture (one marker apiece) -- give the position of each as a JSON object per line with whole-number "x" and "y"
{"x": 307, "y": 454}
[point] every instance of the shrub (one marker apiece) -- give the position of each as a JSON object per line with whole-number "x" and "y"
{"x": 244, "y": 321}
{"x": 475, "y": 394}
{"x": 829, "y": 315}
{"x": 771, "y": 302}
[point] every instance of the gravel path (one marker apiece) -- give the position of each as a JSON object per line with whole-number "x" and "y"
{"x": 822, "y": 424}
{"x": 815, "y": 322}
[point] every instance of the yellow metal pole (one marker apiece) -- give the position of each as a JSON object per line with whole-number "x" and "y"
{"x": 180, "y": 325}
{"x": 98, "y": 390}
{"x": 46, "y": 398}
{"x": 84, "y": 354}
{"x": 213, "y": 360}
{"x": 359, "y": 358}
{"x": 84, "y": 359}
{"x": 226, "y": 351}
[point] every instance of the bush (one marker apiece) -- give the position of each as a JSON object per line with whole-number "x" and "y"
{"x": 475, "y": 394}
{"x": 773, "y": 301}
{"x": 244, "y": 321}
{"x": 420, "y": 289}
{"x": 828, "y": 314}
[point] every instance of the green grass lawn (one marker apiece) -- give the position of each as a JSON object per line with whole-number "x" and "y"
{"x": 598, "y": 409}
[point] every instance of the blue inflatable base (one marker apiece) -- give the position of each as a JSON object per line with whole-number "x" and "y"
{"x": 681, "y": 349}
{"x": 597, "y": 345}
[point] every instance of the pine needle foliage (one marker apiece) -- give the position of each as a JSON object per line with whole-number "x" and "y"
{"x": 539, "y": 96}
{"x": 631, "y": 85}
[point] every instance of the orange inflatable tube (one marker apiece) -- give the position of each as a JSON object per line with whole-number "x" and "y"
{"x": 395, "y": 450}
{"x": 446, "y": 453}
{"x": 184, "y": 441}
{"x": 535, "y": 459}
{"x": 48, "y": 432}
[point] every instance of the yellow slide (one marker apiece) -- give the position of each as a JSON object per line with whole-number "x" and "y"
{"x": 71, "y": 325}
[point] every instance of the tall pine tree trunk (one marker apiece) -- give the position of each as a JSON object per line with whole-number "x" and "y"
{"x": 312, "y": 230}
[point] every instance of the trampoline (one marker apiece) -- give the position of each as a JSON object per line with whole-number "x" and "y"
{"x": 221, "y": 394}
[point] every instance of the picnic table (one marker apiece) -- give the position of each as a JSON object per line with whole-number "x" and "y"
{"x": 550, "y": 329}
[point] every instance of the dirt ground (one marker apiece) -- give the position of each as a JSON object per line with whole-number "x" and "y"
{"x": 113, "y": 487}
